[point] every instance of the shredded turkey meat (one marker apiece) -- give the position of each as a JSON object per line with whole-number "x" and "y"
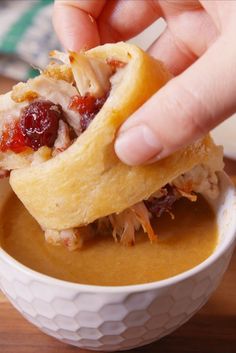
{"x": 73, "y": 238}
{"x": 123, "y": 226}
{"x": 63, "y": 140}
{"x": 78, "y": 87}
{"x": 200, "y": 179}
{"x": 91, "y": 75}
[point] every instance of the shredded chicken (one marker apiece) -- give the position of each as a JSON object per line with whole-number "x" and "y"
{"x": 9, "y": 110}
{"x": 201, "y": 179}
{"x": 143, "y": 216}
{"x": 91, "y": 75}
{"x": 63, "y": 140}
{"x": 60, "y": 56}
{"x": 56, "y": 84}
{"x": 188, "y": 195}
{"x": 72, "y": 239}
{"x": 57, "y": 91}
{"x": 77, "y": 74}
{"x": 125, "y": 224}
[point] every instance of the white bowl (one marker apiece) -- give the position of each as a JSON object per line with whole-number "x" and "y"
{"x": 120, "y": 318}
{"x": 224, "y": 134}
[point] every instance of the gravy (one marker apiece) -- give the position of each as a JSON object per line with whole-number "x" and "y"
{"x": 183, "y": 243}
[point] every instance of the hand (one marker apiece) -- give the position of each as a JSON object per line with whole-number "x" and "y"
{"x": 197, "y": 46}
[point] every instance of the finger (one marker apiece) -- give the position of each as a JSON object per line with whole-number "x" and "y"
{"x": 122, "y": 19}
{"x": 75, "y": 25}
{"x": 175, "y": 56}
{"x": 187, "y": 36}
{"x": 175, "y": 6}
{"x": 222, "y": 12}
{"x": 76, "y": 30}
{"x": 184, "y": 110}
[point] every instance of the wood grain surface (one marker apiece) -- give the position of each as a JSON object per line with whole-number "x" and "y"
{"x": 212, "y": 330}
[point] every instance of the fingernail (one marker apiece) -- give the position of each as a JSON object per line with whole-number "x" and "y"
{"x": 137, "y": 145}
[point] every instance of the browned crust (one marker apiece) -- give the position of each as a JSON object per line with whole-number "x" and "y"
{"x": 59, "y": 72}
{"x": 21, "y": 93}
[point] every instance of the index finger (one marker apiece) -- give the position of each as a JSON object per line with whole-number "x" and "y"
{"x": 75, "y": 24}
{"x": 115, "y": 20}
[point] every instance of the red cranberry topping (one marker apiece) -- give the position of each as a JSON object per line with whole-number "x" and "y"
{"x": 37, "y": 127}
{"x": 87, "y": 106}
{"x": 39, "y": 123}
{"x": 4, "y": 173}
{"x": 12, "y": 138}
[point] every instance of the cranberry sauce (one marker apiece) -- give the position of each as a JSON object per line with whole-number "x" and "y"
{"x": 88, "y": 107}
{"x": 37, "y": 127}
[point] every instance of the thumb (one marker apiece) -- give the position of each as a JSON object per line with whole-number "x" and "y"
{"x": 185, "y": 109}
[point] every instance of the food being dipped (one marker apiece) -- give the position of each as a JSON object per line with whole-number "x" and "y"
{"x": 57, "y": 137}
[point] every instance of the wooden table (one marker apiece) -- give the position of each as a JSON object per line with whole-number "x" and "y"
{"x": 212, "y": 330}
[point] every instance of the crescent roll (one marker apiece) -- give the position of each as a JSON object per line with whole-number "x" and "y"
{"x": 77, "y": 179}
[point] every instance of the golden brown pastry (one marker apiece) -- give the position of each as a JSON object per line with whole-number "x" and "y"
{"x": 84, "y": 181}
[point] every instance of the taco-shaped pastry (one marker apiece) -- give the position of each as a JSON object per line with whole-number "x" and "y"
{"x": 57, "y": 137}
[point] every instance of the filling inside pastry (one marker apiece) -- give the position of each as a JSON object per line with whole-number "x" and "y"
{"x": 43, "y": 117}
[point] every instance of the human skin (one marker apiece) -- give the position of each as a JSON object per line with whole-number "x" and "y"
{"x": 197, "y": 46}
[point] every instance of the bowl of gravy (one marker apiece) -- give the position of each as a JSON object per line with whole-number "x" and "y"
{"x": 109, "y": 297}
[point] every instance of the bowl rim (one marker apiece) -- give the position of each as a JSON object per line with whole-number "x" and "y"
{"x": 230, "y": 241}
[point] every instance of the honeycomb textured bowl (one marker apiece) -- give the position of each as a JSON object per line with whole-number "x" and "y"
{"x": 119, "y": 318}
